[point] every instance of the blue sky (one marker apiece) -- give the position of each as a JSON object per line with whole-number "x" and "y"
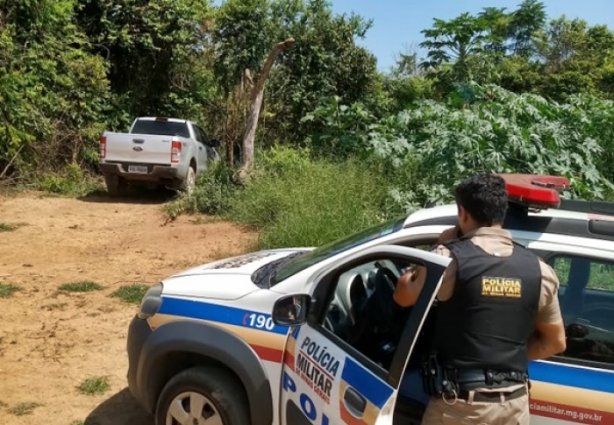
{"x": 397, "y": 23}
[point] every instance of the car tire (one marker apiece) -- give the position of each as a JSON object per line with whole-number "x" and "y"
{"x": 190, "y": 181}
{"x": 199, "y": 394}
{"x": 116, "y": 185}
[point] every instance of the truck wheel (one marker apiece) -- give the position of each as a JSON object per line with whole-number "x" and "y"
{"x": 116, "y": 185}
{"x": 190, "y": 181}
{"x": 202, "y": 395}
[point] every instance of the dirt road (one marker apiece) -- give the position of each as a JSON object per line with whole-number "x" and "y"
{"x": 50, "y": 340}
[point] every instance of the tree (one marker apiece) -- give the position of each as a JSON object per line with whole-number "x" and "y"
{"x": 52, "y": 90}
{"x": 455, "y": 42}
{"x": 147, "y": 44}
{"x": 525, "y": 23}
{"x": 257, "y": 95}
{"x": 325, "y": 62}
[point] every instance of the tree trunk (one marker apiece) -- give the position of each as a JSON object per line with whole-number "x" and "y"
{"x": 251, "y": 125}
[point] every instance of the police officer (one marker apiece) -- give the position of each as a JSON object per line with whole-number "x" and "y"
{"x": 497, "y": 308}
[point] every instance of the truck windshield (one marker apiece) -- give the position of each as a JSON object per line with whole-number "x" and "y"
{"x": 164, "y": 128}
{"x": 310, "y": 258}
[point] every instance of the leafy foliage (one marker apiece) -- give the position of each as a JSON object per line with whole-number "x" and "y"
{"x": 70, "y": 180}
{"x": 212, "y": 195}
{"x": 492, "y": 130}
{"x": 51, "y": 88}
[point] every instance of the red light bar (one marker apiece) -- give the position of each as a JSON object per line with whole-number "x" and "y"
{"x": 161, "y": 119}
{"x": 535, "y": 191}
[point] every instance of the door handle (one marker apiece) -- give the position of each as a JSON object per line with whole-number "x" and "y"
{"x": 354, "y": 402}
{"x": 139, "y": 141}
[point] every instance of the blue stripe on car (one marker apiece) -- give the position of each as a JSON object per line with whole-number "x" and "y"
{"x": 367, "y": 384}
{"x": 216, "y": 313}
{"x": 590, "y": 379}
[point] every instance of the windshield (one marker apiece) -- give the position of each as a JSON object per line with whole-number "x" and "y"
{"x": 163, "y": 128}
{"x": 310, "y": 258}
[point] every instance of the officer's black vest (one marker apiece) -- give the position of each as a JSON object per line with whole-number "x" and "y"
{"x": 489, "y": 318}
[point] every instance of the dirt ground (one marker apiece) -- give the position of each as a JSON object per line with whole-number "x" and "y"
{"x": 51, "y": 341}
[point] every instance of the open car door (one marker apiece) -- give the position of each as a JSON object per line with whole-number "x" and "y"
{"x": 345, "y": 363}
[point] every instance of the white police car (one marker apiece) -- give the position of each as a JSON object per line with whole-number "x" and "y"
{"x": 289, "y": 336}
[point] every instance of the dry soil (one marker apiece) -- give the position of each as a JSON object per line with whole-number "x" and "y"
{"x": 50, "y": 340}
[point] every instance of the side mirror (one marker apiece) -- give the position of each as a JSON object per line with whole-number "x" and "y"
{"x": 214, "y": 143}
{"x": 291, "y": 310}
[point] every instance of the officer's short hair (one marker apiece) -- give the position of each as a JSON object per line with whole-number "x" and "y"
{"x": 484, "y": 197}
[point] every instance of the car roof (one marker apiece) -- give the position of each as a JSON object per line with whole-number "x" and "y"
{"x": 574, "y": 218}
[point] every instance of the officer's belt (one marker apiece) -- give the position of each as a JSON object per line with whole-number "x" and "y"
{"x": 486, "y": 377}
{"x": 492, "y": 397}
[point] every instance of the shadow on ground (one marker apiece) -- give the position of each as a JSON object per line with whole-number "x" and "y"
{"x": 120, "y": 409}
{"x": 134, "y": 196}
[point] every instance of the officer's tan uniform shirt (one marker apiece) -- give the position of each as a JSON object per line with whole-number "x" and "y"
{"x": 499, "y": 242}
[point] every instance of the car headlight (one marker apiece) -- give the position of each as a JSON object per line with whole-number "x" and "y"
{"x": 151, "y": 302}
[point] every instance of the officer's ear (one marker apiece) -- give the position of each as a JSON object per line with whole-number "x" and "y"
{"x": 466, "y": 223}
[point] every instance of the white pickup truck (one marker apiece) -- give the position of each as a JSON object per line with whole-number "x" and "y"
{"x": 156, "y": 151}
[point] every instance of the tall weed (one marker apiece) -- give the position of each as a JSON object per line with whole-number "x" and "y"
{"x": 212, "y": 194}
{"x": 296, "y": 201}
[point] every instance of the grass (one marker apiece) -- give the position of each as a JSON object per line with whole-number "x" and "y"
{"x": 71, "y": 181}
{"x": 82, "y": 286}
{"x": 294, "y": 199}
{"x": 22, "y": 409}
{"x": 94, "y": 386}
{"x": 6, "y": 227}
{"x": 312, "y": 205}
{"x": 132, "y": 294}
{"x": 7, "y": 290}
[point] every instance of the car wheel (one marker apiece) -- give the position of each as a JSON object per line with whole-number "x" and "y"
{"x": 202, "y": 395}
{"x": 190, "y": 181}
{"x": 116, "y": 185}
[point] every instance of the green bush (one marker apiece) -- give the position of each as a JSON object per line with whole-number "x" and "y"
{"x": 72, "y": 180}
{"x": 212, "y": 194}
{"x": 488, "y": 129}
{"x": 311, "y": 204}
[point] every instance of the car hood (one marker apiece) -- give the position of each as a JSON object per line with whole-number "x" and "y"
{"x": 229, "y": 278}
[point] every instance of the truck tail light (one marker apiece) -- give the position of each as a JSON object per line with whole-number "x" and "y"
{"x": 103, "y": 146}
{"x": 175, "y": 151}
{"x": 535, "y": 191}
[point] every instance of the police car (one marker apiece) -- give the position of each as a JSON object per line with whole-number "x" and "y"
{"x": 301, "y": 336}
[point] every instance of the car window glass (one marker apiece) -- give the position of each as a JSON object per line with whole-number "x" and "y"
{"x": 310, "y": 258}
{"x": 197, "y": 134}
{"x": 164, "y": 128}
{"x": 361, "y": 311}
{"x": 201, "y": 135}
{"x": 586, "y": 297}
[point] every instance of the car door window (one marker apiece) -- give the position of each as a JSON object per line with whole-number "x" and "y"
{"x": 586, "y": 297}
{"x": 360, "y": 310}
{"x": 198, "y": 134}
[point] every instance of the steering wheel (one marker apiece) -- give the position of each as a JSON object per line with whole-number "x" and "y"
{"x": 390, "y": 278}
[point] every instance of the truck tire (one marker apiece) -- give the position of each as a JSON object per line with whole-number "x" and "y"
{"x": 203, "y": 394}
{"x": 116, "y": 185}
{"x": 189, "y": 183}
